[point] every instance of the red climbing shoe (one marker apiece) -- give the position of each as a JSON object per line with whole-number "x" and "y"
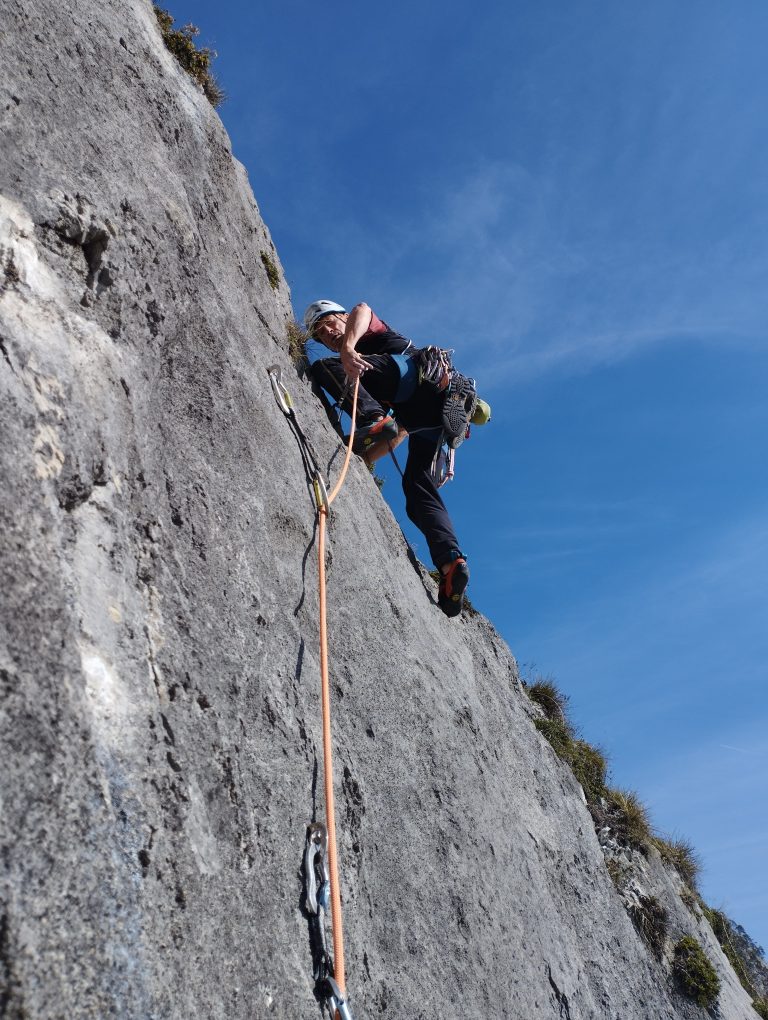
{"x": 450, "y": 594}
{"x": 367, "y": 435}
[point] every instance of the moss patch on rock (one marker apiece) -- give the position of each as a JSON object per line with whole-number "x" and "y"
{"x": 273, "y": 273}
{"x": 694, "y": 974}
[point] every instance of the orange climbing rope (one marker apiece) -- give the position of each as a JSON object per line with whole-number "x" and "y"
{"x": 330, "y": 816}
{"x": 323, "y": 502}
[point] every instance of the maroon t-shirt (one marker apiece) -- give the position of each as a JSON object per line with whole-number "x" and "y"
{"x": 380, "y": 339}
{"x": 377, "y": 326}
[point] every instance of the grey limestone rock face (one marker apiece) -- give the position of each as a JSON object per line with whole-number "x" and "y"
{"x": 158, "y": 666}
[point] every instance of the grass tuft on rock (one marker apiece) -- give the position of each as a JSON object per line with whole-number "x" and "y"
{"x": 691, "y": 901}
{"x": 549, "y": 698}
{"x": 616, "y": 871}
{"x": 694, "y": 974}
{"x": 620, "y": 814}
{"x": 682, "y": 857}
{"x": 651, "y": 920}
{"x": 628, "y": 818}
{"x": 590, "y": 768}
{"x": 377, "y": 478}
{"x": 273, "y": 273}
{"x": 587, "y": 763}
{"x": 297, "y": 337}
{"x": 723, "y": 931}
{"x": 558, "y": 733}
{"x": 760, "y": 1007}
{"x": 196, "y": 62}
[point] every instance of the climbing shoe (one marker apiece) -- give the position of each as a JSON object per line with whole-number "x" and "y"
{"x": 459, "y": 405}
{"x": 450, "y": 594}
{"x": 385, "y": 429}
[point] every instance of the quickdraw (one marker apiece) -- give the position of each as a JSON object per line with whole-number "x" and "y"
{"x": 317, "y": 895}
{"x": 315, "y": 478}
{"x": 435, "y": 366}
{"x": 333, "y": 985}
{"x": 443, "y": 467}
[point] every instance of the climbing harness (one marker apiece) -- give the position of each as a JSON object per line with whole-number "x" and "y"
{"x": 432, "y": 366}
{"x": 333, "y": 988}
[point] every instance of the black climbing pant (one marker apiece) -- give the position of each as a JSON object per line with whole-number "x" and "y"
{"x": 421, "y": 416}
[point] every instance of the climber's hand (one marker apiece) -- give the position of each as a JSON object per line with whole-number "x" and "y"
{"x": 354, "y": 364}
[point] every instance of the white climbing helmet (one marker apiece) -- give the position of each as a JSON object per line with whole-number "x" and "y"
{"x": 317, "y": 310}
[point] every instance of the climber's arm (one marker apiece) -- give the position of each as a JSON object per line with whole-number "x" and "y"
{"x": 358, "y": 324}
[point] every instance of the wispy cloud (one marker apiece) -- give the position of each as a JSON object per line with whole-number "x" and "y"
{"x": 674, "y": 638}
{"x": 490, "y": 263}
{"x": 495, "y": 263}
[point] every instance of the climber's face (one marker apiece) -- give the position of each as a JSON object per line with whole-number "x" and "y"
{"x": 330, "y": 330}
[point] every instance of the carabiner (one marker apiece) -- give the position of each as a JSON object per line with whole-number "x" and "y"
{"x": 315, "y": 867}
{"x": 321, "y": 493}
{"x": 282, "y": 396}
{"x": 337, "y": 1002}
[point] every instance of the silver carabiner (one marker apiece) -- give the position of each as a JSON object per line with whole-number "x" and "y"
{"x": 317, "y": 845}
{"x": 337, "y": 1002}
{"x": 282, "y": 396}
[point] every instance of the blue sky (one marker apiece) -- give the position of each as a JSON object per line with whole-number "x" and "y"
{"x": 575, "y": 198}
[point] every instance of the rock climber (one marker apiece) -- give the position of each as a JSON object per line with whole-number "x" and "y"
{"x": 392, "y": 373}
